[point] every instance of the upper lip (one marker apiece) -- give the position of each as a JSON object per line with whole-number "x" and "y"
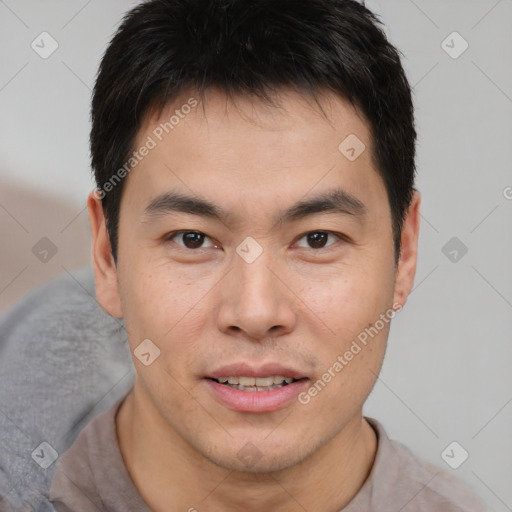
{"x": 248, "y": 370}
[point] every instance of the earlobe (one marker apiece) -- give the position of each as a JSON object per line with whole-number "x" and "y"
{"x": 409, "y": 252}
{"x": 105, "y": 270}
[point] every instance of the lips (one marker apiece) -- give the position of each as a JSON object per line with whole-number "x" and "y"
{"x": 246, "y": 388}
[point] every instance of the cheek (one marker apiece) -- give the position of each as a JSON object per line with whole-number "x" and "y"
{"x": 167, "y": 308}
{"x": 351, "y": 299}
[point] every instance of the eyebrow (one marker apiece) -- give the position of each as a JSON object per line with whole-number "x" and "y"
{"x": 335, "y": 201}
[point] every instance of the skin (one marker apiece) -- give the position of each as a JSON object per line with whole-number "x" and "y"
{"x": 295, "y": 304}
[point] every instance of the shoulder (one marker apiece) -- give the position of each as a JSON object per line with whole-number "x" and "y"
{"x": 403, "y": 479}
{"x": 75, "y": 485}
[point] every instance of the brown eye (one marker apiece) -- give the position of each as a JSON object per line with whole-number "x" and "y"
{"x": 190, "y": 239}
{"x": 318, "y": 239}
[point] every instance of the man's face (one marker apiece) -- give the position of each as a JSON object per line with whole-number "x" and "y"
{"x": 285, "y": 302}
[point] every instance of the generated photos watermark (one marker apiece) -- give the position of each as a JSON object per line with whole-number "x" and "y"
{"x": 355, "y": 348}
{"x": 150, "y": 143}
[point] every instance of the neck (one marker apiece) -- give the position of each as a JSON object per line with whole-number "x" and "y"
{"x": 169, "y": 474}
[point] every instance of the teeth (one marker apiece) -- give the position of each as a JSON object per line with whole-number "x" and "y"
{"x": 245, "y": 381}
{"x": 263, "y": 381}
{"x": 259, "y": 382}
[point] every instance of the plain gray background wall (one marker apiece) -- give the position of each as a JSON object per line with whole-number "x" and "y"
{"x": 447, "y": 372}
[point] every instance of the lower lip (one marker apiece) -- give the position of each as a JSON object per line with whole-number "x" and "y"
{"x": 256, "y": 401}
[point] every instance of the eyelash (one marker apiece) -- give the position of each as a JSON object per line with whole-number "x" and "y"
{"x": 173, "y": 234}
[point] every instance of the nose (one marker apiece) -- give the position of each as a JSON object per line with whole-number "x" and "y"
{"x": 256, "y": 302}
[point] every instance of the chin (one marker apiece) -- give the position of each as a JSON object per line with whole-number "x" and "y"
{"x": 253, "y": 460}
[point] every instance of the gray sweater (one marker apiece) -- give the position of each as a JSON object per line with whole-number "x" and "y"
{"x": 63, "y": 361}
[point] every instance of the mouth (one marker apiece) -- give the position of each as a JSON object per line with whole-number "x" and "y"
{"x": 245, "y": 388}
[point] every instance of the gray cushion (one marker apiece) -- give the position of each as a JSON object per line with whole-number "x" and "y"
{"x": 63, "y": 361}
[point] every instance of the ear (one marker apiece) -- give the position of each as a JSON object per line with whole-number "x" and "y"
{"x": 105, "y": 270}
{"x": 409, "y": 252}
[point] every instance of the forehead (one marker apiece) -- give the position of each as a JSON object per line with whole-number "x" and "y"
{"x": 213, "y": 112}
{"x": 247, "y": 150}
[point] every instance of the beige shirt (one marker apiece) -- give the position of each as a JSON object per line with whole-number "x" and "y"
{"x": 91, "y": 477}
